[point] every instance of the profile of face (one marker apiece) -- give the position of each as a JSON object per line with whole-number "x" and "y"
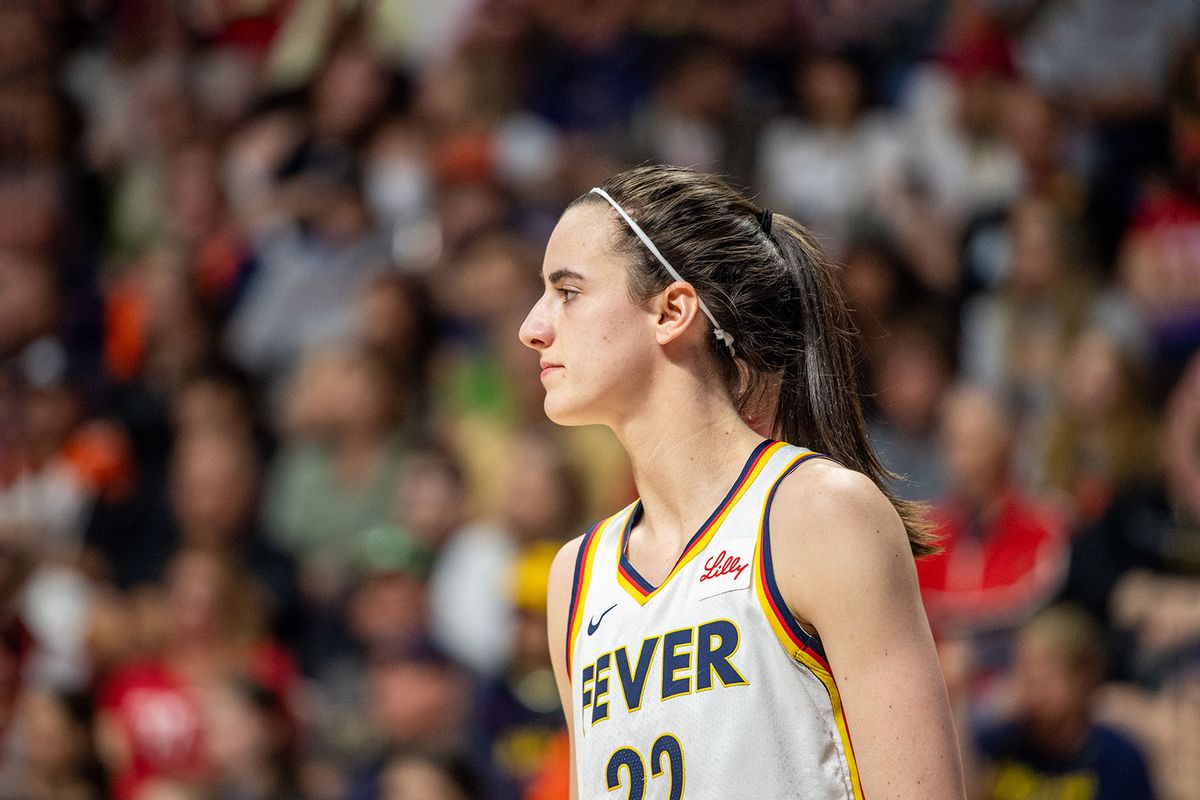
{"x": 595, "y": 344}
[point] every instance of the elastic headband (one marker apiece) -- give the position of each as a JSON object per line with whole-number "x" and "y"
{"x": 718, "y": 331}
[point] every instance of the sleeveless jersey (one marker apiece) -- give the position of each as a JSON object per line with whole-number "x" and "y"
{"x": 705, "y": 686}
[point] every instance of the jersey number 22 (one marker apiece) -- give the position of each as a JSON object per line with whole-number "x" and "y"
{"x": 664, "y": 746}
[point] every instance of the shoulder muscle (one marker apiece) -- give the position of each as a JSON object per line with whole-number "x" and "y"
{"x": 834, "y": 532}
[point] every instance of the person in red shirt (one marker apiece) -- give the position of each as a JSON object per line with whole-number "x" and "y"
{"x": 152, "y": 712}
{"x": 1003, "y": 555}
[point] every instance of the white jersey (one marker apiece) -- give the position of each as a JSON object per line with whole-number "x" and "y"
{"x": 705, "y": 686}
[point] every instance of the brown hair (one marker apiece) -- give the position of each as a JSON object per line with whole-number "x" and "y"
{"x": 777, "y": 294}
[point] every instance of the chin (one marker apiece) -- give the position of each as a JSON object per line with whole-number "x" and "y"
{"x": 565, "y": 413}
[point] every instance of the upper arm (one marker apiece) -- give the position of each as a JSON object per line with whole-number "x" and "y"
{"x": 557, "y": 610}
{"x": 843, "y": 563}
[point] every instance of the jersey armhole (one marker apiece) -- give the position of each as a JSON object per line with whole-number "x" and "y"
{"x": 799, "y": 643}
{"x": 579, "y": 584}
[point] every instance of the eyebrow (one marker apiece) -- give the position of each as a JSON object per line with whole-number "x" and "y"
{"x": 559, "y": 274}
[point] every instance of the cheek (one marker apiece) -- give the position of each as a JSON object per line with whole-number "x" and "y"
{"x": 608, "y": 349}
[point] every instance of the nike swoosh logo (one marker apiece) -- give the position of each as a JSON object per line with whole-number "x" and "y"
{"x": 594, "y": 624}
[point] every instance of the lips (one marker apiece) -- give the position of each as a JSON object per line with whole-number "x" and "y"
{"x": 548, "y": 367}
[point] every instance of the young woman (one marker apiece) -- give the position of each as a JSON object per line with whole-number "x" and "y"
{"x": 726, "y": 634}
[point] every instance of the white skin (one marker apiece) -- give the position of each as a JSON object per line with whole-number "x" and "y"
{"x": 842, "y": 557}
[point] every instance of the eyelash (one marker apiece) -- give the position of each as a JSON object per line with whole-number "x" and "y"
{"x": 564, "y": 292}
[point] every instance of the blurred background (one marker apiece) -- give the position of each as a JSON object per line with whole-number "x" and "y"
{"x": 277, "y": 495}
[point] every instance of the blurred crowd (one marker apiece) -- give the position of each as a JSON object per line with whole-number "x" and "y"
{"x": 277, "y": 496}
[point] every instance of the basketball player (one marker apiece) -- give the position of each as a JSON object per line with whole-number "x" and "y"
{"x": 750, "y": 627}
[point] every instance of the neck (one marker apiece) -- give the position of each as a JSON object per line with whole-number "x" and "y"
{"x": 686, "y": 443}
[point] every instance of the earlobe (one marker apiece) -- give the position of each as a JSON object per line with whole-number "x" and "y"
{"x": 676, "y": 307}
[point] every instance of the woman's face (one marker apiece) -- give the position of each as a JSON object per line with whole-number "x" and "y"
{"x": 594, "y": 343}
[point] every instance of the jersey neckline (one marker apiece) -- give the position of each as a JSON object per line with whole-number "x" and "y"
{"x": 628, "y": 576}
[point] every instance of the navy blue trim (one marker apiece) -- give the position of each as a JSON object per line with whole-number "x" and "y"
{"x": 812, "y": 642}
{"x": 575, "y": 581}
{"x": 637, "y": 512}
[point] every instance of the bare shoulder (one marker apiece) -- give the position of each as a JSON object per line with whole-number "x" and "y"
{"x": 835, "y": 526}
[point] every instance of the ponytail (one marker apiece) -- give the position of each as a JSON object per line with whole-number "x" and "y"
{"x": 819, "y": 402}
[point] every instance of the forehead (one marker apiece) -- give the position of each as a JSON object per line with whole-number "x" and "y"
{"x": 582, "y": 242}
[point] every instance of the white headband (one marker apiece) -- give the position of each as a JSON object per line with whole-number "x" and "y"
{"x": 633, "y": 226}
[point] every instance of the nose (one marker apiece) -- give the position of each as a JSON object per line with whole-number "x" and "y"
{"x": 536, "y": 332}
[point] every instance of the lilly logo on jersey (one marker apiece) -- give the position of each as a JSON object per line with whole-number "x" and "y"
{"x": 693, "y": 660}
{"x": 723, "y": 564}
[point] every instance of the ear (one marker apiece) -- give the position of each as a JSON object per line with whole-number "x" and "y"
{"x": 676, "y": 307}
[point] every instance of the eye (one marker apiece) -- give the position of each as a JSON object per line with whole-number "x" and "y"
{"x": 567, "y": 294}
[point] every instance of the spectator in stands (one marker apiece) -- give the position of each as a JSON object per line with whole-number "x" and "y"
{"x": 333, "y": 479}
{"x": 152, "y": 710}
{"x": 418, "y": 699}
{"x": 215, "y": 487}
{"x": 395, "y": 321}
{"x": 695, "y": 114}
{"x": 1013, "y": 339}
{"x": 911, "y": 378}
{"x": 1111, "y": 67}
{"x": 483, "y": 291}
{"x": 1003, "y": 555}
{"x": 324, "y": 245}
{"x": 827, "y": 167}
{"x": 1101, "y": 438}
{"x": 200, "y": 221}
{"x": 1135, "y": 566}
{"x": 1052, "y": 747}
{"x": 336, "y": 472}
